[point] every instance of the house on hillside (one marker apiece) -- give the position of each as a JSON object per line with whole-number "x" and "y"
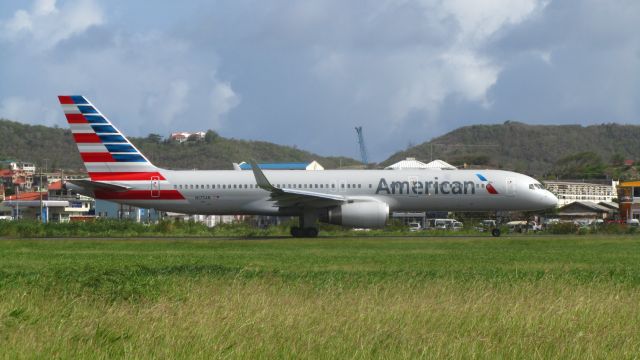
{"x": 186, "y": 136}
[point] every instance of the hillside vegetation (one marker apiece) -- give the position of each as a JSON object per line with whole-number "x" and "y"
{"x": 546, "y": 151}
{"x": 563, "y": 151}
{"x": 35, "y": 143}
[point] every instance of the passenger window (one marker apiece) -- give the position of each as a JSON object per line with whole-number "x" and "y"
{"x": 191, "y": 186}
{"x": 348, "y": 186}
{"x": 175, "y": 186}
{"x": 359, "y": 186}
{"x": 321, "y": 186}
{"x": 342, "y": 186}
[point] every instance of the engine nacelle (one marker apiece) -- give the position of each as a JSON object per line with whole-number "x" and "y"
{"x": 369, "y": 214}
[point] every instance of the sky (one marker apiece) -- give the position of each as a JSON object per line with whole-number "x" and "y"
{"x": 305, "y": 73}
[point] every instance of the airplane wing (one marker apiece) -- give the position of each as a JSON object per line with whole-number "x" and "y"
{"x": 96, "y": 185}
{"x": 295, "y": 197}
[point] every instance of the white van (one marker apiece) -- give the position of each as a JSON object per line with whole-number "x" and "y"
{"x": 414, "y": 226}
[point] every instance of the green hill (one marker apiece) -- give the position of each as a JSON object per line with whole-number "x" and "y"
{"x": 35, "y": 143}
{"x": 565, "y": 151}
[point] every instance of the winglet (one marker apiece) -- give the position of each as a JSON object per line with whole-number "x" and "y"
{"x": 261, "y": 179}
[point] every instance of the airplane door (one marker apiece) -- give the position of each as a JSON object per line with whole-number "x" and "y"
{"x": 155, "y": 186}
{"x": 511, "y": 186}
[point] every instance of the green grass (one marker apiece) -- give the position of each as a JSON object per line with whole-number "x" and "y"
{"x": 521, "y": 297}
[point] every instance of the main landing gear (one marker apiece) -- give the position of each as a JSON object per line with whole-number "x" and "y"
{"x": 304, "y": 232}
{"x": 308, "y": 225}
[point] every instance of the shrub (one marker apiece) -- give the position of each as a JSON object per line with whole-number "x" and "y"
{"x": 562, "y": 228}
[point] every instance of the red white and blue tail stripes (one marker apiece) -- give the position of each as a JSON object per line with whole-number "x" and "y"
{"x": 106, "y": 153}
{"x": 109, "y": 156}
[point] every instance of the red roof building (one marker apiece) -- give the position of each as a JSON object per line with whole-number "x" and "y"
{"x": 27, "y": 196}
{"x": 55, "y": 186}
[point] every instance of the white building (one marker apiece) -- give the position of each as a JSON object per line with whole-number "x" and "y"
{"x": 412, "y": 163}
{"x": 569, "y": 192}
{"x": 23, "y": 166}
{"x": 184, "y": 136}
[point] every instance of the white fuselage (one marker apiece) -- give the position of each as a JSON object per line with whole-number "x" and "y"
{"x": 236, "y": 192}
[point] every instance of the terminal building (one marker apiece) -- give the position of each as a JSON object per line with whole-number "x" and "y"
{"x": 568, "y": 192}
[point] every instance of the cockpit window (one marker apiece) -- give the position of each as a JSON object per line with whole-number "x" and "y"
{"x": 535, "y": 186}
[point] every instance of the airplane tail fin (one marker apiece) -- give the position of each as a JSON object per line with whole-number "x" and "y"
{"x": 106, "y": 152}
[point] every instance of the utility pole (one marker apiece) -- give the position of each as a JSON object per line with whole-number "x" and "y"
{"x": 41, "y": 217}
{"x": 17, "y": 203}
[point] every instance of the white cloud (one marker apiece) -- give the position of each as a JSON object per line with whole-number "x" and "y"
{"x": 170, "y": 104}
{"x": 479, "y": 20}
{"x": 45, "y": 25}
{"x": 223, "y": 99}
{"x": 417, "y": 72}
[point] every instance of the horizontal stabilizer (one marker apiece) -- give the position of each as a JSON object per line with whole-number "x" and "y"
{"x": 96, "y": 185}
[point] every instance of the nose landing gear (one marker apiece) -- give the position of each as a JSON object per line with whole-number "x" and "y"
{"x": 495, "y": 232}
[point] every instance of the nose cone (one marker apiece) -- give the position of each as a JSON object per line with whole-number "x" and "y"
{"x": 549, "y": 200}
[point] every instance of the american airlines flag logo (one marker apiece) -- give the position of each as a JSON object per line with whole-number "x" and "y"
{"x": 488, "y": 186}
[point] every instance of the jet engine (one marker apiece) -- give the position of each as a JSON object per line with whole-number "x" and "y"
{"x": 370, "y": 214}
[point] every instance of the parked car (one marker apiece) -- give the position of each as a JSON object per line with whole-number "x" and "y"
{"x": 441, "y": 224}
{"x": 457, "y": 225}
{"x": 414, "y": 226}
{"x": 486, "y": 225}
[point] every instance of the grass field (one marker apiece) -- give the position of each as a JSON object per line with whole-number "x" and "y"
{"x": 521, "y": 297}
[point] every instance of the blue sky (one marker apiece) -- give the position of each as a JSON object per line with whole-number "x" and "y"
{"x": 305, "y": 73}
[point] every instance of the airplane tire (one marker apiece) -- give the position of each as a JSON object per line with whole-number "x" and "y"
{"x": 495, "y": 232}
{"x": 296, "y": 231}
{"x": 311, "y": 232}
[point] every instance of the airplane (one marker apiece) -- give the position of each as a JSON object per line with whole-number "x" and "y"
{"x": 120, "y": 173}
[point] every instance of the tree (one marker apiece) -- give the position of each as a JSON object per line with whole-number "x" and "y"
{"x": 617, "y": 159}
{"x": 155, "y": 138}
{"x": 210, "y": 136}
{"x": 580, "y": 165}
